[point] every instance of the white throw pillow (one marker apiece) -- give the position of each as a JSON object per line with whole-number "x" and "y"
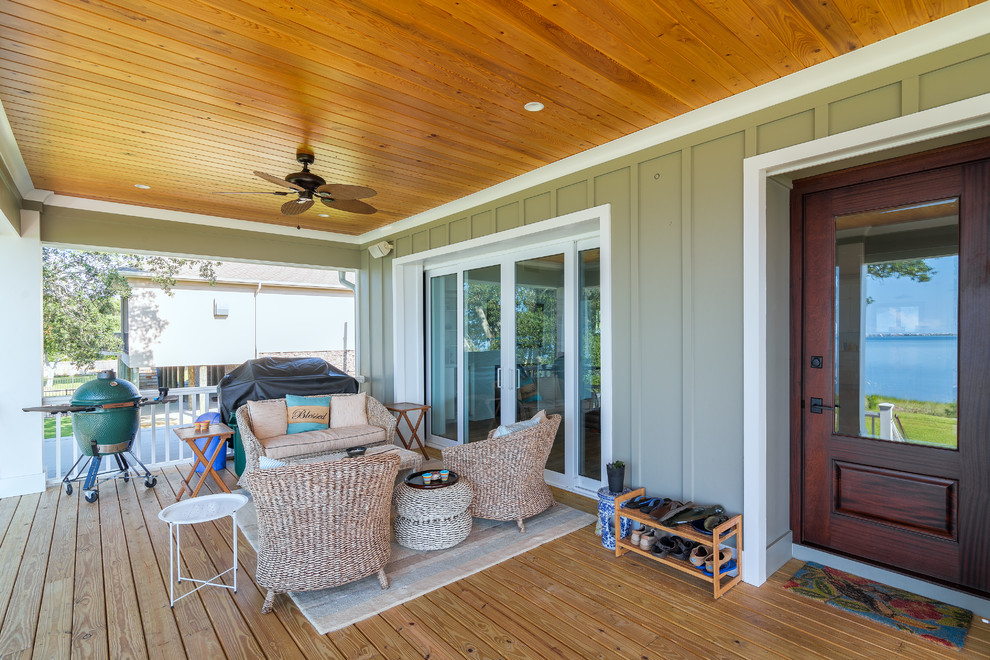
{"x": 519, "y": 426}
{"x": 350, "y": 410}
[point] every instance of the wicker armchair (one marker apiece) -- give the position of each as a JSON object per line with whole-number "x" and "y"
{"x": 378, "y": 415}
{"x": 507, "y": 472}
{"x": 323, "y": 524}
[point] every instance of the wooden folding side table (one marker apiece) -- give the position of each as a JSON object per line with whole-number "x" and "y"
{"x": 191, "y": 435}
{"x": 403, "y": 409}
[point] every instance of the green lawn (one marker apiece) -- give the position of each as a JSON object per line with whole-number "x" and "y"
{"x": 50, "y": 426}
{"x": 924, "y": 422}
{"x": 63, "y": 384}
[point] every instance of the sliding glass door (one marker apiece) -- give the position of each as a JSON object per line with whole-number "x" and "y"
{"x": 512, "y": 335}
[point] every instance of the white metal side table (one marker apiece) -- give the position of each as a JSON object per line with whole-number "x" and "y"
{"x": 205, "y": 508}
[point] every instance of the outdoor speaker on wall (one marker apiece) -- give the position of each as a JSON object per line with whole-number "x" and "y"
{"x": 379, "y": 250}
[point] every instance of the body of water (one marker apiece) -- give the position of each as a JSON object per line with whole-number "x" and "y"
{"x": 919, "y": 367}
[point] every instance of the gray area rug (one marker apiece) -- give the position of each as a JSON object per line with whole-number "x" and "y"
{"x": 412, "y": 573}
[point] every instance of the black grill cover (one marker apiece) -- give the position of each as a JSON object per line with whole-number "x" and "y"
{"x": 273, "y": 378}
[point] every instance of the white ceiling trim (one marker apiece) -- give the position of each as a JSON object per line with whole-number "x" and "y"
{"x": 953, "y": 29}
{"x": 99, "y": 206}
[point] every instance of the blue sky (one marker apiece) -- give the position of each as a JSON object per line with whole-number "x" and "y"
{"x": 902, "y": 305}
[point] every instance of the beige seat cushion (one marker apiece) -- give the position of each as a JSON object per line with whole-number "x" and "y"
{"x": 321, "y": 441}
{"x": 268, "y": 418}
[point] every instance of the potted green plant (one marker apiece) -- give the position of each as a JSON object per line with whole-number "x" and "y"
{"x": 616, "y": 475}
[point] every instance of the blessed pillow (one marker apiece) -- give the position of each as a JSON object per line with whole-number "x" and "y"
{"x": 307, "y": 413}
{"x": 349, "y": 410}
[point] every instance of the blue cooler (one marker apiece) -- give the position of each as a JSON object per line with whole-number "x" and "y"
{"x": 210, "y": 444}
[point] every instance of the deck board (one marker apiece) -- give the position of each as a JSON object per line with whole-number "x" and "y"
{"x": 54, "y": 630}
{"x": 21, "y": 621}
{"x": 106, "y": 595}
{"x": 89, "y": 614}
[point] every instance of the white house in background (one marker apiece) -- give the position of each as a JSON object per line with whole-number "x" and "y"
{"x": 253, "y": 310}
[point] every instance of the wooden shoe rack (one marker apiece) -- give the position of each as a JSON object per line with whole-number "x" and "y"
{"x": 730, "y": 528}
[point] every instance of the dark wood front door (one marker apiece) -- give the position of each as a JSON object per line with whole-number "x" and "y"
{"x": 891, "y": 364}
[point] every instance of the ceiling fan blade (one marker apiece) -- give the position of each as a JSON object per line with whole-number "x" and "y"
{"x": 351, "y": 206}
{"x": 253, "y": 192}
{"x": 344, "y": 191}
{"x": 294, "y": 207}
{"x": 277, "y": 181}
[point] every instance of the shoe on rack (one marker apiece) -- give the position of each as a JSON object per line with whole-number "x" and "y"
{"x": 725, "y": 557}
{"x": 692, "y": 513}
{"x": 634, "y": 537}
{"x": 676, "y": 508}
{"x": 635, "y": 502}
{"x": 711, "y": 522}
{"x": 647, "y": 539}
{"x": 664, "y": 546}
{"x": 699, "y": 555}
{"x": 683, "y": 549}
{"x": 662, "y": 505}
{"x": 724, "y": 568}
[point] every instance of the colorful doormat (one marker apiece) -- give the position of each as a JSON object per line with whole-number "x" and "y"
{"x": 931, "y": 619}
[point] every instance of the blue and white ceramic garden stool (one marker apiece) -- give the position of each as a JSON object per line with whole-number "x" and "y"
{"x": 606, "y": 516}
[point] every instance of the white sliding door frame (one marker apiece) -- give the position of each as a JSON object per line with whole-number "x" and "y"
{"x": 568, "y": 234}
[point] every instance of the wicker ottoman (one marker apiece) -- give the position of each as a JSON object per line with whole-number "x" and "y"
{"x": 432, "y": 519}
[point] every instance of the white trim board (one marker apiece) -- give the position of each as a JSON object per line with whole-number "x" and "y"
{"x": 917, "y": 128}
{"x": 956, "y": 28}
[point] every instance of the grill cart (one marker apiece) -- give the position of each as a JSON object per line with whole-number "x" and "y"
{"x": 106, "y": 416}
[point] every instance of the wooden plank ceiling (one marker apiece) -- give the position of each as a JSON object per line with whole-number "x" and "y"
{"x": 421, "y": 100}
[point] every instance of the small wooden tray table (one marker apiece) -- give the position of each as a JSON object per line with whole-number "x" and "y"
{"x": 191, "y": 435}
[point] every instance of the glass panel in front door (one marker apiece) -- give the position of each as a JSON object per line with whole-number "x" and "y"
{"x": 443, "y": 356}
{"x": 482, "y": 351}
{"x": 896, "y": 317}
{"x": 589, "y": 364}
{"x": 539, "y": 306}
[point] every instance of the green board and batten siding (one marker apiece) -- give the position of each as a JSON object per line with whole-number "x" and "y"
{"x": 676, "y": 211}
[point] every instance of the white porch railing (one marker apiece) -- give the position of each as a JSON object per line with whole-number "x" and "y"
{"x": 155, "y": 444}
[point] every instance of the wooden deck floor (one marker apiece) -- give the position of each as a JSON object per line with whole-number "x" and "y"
{"x": 90, "y": 581}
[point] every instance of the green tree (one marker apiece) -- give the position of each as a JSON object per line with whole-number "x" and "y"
{"x": 916, "y": 269}
{"x": 81, "y": 299}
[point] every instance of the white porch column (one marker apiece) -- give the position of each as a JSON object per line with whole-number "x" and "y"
{"x": 21, "y": 470}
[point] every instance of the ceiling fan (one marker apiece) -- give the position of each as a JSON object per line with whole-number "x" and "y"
{"x": 311, "y": 187}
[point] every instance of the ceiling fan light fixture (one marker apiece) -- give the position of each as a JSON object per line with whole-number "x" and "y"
{"x": 533, "y": 106}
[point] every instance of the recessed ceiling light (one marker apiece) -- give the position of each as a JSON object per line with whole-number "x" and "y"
{"x": 323, "y": 215}
{"x": 534, "y": 106}
{"x": 141, "y": 186}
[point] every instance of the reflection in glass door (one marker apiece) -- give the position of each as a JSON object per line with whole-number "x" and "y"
{"x": 897, "y": 312}
{"x": 443, "y": 356}
{"x": 482, "y": 351}
{"x": 539, "y": 308}
{"x": 589, "y": 364}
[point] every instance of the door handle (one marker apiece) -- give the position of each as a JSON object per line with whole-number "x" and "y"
{"x": 518, "y": 378}
{"x": 498, "y": 377}
{"x": 817, "y": 406}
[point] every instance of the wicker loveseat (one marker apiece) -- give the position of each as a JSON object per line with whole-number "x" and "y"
{"x": 294, "y": 447}
{"x": 323, "y": 524}
{"x": 507, "y": 472}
